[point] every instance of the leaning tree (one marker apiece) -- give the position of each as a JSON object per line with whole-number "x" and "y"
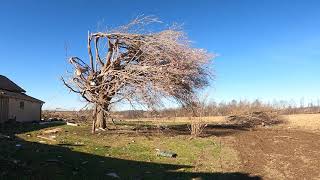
{"x": 132, "y": 64}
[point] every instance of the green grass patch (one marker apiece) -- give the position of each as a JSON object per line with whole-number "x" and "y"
{"x": 75, "y": 153}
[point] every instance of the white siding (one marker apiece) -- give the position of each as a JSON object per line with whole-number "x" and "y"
{"x": 30, "y": 112}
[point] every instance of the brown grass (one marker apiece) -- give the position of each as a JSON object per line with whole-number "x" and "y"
{"x": 304, "y": 121}
{"x": 301, "y": 121}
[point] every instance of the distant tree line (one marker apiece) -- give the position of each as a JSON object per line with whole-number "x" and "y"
{"x": 209, "y": 109}
{"x": 227, "y": 108}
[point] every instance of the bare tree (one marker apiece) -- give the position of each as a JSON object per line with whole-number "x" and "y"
{"x": 139, "y": 67}
{"x": 197, "y": 124}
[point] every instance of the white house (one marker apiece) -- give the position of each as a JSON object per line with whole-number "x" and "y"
{"x": 16, "y": 105}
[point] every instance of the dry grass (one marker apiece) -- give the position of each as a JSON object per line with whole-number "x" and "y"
{"x": 301, "y": 121}
{"x": 304, "y": 121}
{"x": 209, "y": 119}
{"x": 308, "y": 122}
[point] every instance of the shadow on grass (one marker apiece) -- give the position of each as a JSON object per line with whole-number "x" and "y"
{"x": 20, "y": 159}
{"x": 210, "y": 130}
{"x": 218, "y": 130}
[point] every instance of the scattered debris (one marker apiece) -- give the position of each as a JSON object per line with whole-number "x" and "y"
{"x": 52, "y": 131}
{"x": 16, "y": 161}
{"x": 113, "y": 175}
{"x": 197, "y": 178}
{"x": 166, "y": 153}
{"x": 72, "y": 124}
{"x": 181, "y": 170}
{"x": 84, "y": 162}
{"x": 52, "y": 119}
{"x": 47, "y": 138}
{"x": 51, "y": 122}
{"x": 101, "y": 129}
{"x": 79, "y": 143}
{"x": 4, "y": 136}
{"x": 106, "y": 146}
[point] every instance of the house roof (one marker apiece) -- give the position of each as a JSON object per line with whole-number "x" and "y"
{"x": 22, "y": 96}
{"x": 7, "y": 84}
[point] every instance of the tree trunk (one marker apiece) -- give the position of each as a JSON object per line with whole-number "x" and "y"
{"x": 93, "y": 129}
{"x": 94, "y": 120}
{"x": 101, "y": 121}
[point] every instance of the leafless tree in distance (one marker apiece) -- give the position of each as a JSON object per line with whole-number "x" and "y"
{"x": 138, "y": 66}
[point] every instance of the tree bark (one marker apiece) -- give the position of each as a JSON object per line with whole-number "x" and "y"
{"x": 93, "y": 130}
{"x": 101, "y": 121}
{"x": 94, "y": 120}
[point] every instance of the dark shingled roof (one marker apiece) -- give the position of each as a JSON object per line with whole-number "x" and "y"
{"x": 7, "y": 84}
{"x": 4, "y": 93}
{"x": 11, "y": 89}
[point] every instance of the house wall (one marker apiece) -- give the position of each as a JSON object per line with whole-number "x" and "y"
{"x": 30, "y": 112}
{"x": 4, "y": 102}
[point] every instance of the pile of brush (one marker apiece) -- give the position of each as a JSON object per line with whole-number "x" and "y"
{"x": 255, "y": 119}
{"x": 72, "y": 116}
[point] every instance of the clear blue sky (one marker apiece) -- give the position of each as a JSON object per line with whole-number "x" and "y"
{"x": 268, "y": 49}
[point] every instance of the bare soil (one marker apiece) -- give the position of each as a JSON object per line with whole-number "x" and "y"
{"x": 278, "y": 153}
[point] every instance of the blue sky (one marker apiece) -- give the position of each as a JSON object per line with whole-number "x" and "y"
{"x": 268, "y": 49}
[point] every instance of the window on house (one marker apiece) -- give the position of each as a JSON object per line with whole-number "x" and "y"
{"x": 21, "y": 105}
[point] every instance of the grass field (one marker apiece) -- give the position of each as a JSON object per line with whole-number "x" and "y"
{"x": 308, "y": 122}
{"x": 128, "y": 150}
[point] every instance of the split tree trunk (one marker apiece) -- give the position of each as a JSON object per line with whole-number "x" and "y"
{"x": 100, "y": 117}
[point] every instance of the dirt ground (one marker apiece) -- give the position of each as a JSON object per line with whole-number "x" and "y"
{"x": 278, "y": 153}
{"x": 289, "y": 151}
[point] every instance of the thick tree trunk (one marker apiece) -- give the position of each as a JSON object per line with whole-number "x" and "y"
{"x": 101, "y": 119}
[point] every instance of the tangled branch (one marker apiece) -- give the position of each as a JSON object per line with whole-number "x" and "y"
{"x": 139, "y": 67}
